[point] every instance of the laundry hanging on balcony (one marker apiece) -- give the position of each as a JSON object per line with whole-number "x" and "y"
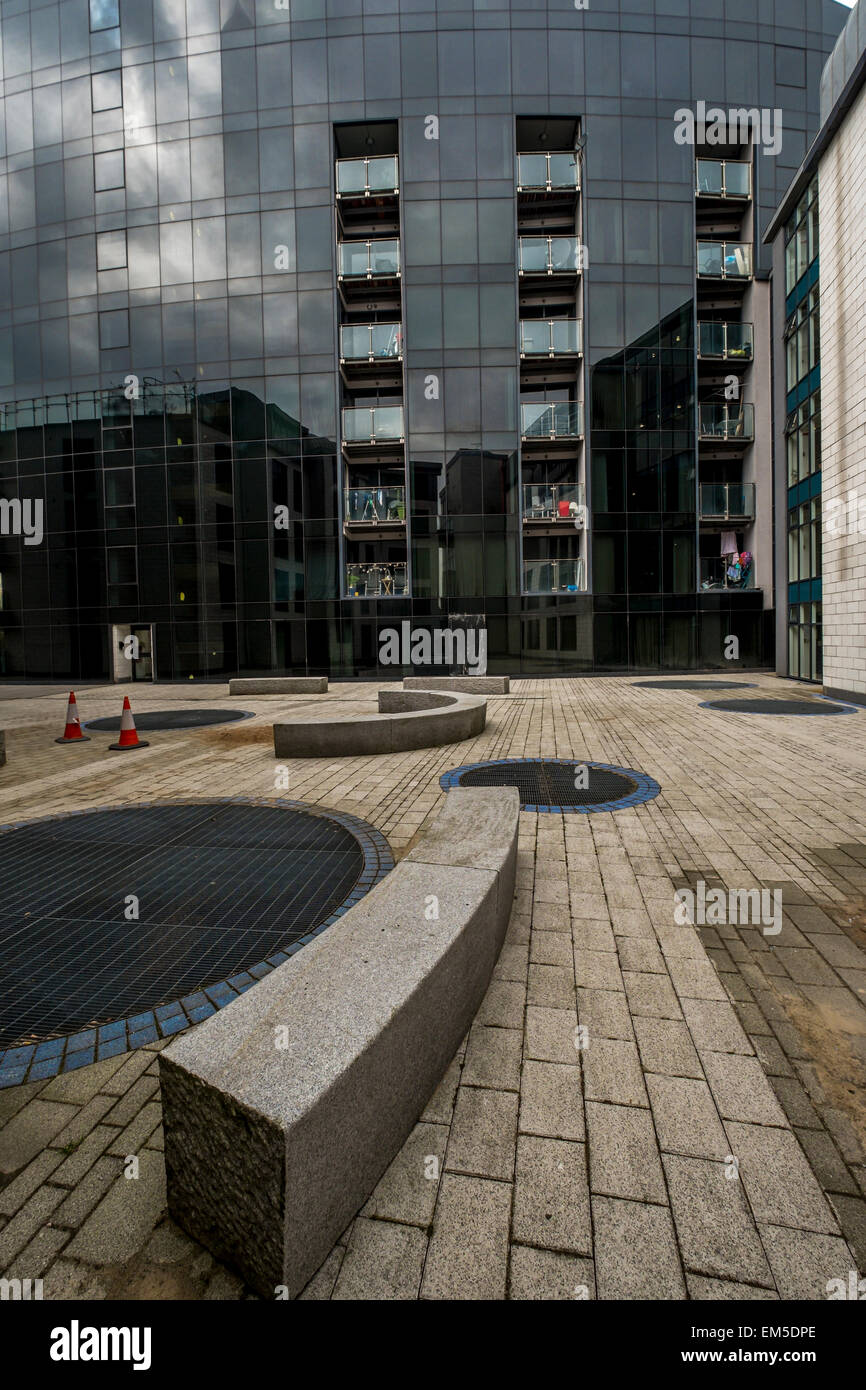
{"x": 729, "y": 543}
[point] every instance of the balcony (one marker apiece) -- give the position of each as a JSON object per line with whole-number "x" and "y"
{"x": 723, "y": 178}
{"x": 547, "y": 172}
{"x": 553, "y": 576}
{"x": 375, "y": 508}
{"x": 727, "y": 421}
{"x": 368, "y": 260}
{"x": 718, "y": 572}
{"x": 727, "y": 501}
{"x": 387, "y": 580}
{"x": 553, "y": 505}
{"x": 551, "y": 420}
{"x": 371, "y": 342}
{"x": 550, "y": 255}
{"x": 725, "y": 342}
{"x": 378, "y": 424}
{"x": 363, "y": 178}
{"x": 724, "y": 260}
{"x": 551, "y": 337}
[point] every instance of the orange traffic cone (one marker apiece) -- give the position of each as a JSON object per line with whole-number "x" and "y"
{"x": 128, "y": 736}
{"x": 72, "y": 733}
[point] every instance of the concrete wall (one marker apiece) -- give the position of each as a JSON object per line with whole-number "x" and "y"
{"x": 842, "y": 192}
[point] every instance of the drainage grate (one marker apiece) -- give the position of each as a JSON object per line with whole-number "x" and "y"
{"x": 771, "y": 706}
{"x": 223, "y": 888}
{"x": 168, "y": 719}
{"x": 696, "y": 685}
{"x": 548, "y": 784}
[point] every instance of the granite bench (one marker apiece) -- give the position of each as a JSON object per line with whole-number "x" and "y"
{"x": 283, "y": 1110}
{"x": 468, "y": 685}
{"x": 278, "y": 685}
{"x": 406, "y": 719}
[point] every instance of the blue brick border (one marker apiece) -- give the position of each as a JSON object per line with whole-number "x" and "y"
{"x": 40, "y": 1061}
{"x": 645, "y": 790}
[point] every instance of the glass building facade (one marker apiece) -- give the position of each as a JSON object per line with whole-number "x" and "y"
{"x": 803, "y": 437}
{"x": 326, "y": 315}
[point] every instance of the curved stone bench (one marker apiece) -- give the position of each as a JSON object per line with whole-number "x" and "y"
{"x": 468, "y": 685}
{"x": 406, "y": 719}
{"x": 283, "y": 1110}
{"x": 278, "y": 685}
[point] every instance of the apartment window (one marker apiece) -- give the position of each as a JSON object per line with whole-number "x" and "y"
{"x": 801, "y": 237}
{"x": 104, "y": 14}
{"x": 804, "y": 541}
{"x": 108, "y": 170}
{"x": 804, "y": 641}
{"x": 114, "y": 329}
{"x": 803, "y": 440}
{"x": 802, "y": 340}
{"x": 106, "y": 90}
{"x": 111, "y": 250}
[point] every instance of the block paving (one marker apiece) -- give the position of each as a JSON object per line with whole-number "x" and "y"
{"x": 642, "y": 1109}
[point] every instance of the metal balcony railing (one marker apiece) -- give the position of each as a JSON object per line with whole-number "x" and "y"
{"x": 368, "y": 259}
{"x": 548, "y": 171}
{"x": 723, "y": 420}
{"x": 723, "y": 178}
{"x": 723, "y": 572}
{"x": 551, "y": 420}
{"x": 387, "y": 580}
{"x": 375, "y": 506}
{"x": 727, "y": 501}
{"x": 372, "y": 424}
{"x": 559, "y": 502}
{"x": 372, "y": 174}
{"x": 552, "y": 576}
{"x": 725, "y": 260}
{"x": 549, "y": 255}
{"x": 551, "y": 337}
{"x": 371, "y": 342}
{"x": 731, "y": 342}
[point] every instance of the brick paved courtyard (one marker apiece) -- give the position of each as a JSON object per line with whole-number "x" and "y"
{"x": 707, "y": 1141}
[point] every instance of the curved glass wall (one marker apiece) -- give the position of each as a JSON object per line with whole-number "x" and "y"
{"x": 175, "y": 263}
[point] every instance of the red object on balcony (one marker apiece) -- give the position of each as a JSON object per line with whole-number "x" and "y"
{"x": 564, "y": 511}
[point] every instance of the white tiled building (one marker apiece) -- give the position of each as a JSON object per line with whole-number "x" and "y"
{"x": 837, "y": 381}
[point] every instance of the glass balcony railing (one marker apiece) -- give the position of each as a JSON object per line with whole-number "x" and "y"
{"x": 727, "y": 420}
{"x": 552, "y": 576}
{"x": 550, "y": 255}
{"x": 375, "y": 506}
{"x": 547, "y": 171}
{"x": 553, "y": 502}
{"x": 725, "y": 260}
{"x": 551, "y": 420}
{"x": 358, "y": 177}
{"x": 723, "y": 178}
{"x": 371, "y": 342}
{"x": 550, "y": 337}
{"x": 372, "y": 424}
{"x": 726, "y": 572}
{"x": 366, "y": 259}
{"x": 733, "y": 342}
{"x": 727, "y": 501}
{"x": 387, "y": 580}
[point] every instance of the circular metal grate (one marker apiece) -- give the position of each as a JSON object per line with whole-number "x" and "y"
{"x": 168, "y": 719}
{"x": 696, "y": 685}
{"x": 775, "y": 706}
{"x": 550, "y": 784}
{"x": 124, "y": 924}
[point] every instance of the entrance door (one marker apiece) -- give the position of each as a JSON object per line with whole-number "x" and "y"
{"x": 142, "y": 664}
